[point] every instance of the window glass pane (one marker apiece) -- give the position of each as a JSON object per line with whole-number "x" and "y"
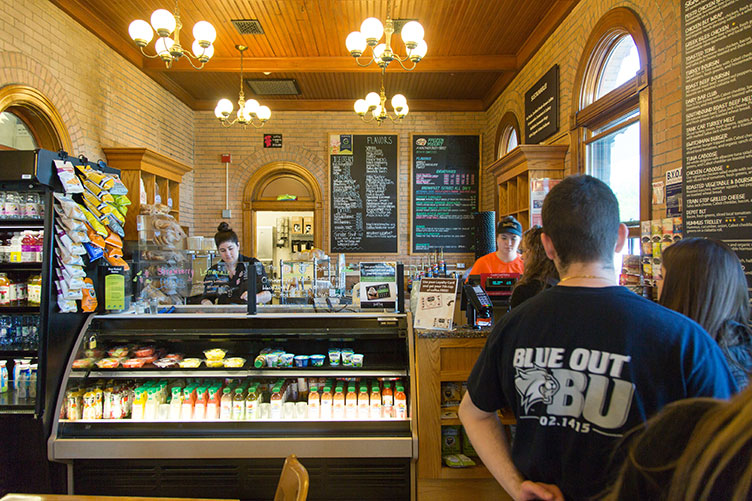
{"x": 14, "y": 133}
{"x": 613, "y": 123}
{"x": 512, "y": 143}
{"x": 615, "y": 160}
{"x": 622, "y": 63}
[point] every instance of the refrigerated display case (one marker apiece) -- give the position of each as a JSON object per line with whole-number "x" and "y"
{"x": 159, "y": 432}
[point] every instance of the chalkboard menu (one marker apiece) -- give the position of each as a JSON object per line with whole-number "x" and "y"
{"x": 718, "y": 123}
{"x": 363, "y": 183}
{"x": 542, "y": 107}
{"x": 445, "y": 182}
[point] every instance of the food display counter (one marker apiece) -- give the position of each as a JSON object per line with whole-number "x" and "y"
{"x": 178, "y": 404}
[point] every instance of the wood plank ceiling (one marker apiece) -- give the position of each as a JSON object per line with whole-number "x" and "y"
{"x": 475, "y": 48}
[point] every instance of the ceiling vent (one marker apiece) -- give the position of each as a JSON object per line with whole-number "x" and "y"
{"x": 248, "y": 26}
{"x": 399, "y": 23}
{"x": 273, "y": 87}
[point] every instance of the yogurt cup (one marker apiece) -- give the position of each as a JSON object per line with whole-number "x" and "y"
{"x": 301, "y": 360}
{"x": 271, "y": 359}
{"x": 334, "y": 355}
{"x": 317, "y": 360}
{"x": 347, "y": 357}
{"x": 286, "y": 359}
{"x": 357, "y": 360}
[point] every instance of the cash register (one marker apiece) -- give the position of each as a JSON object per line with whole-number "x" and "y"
{"x": 487, "y": 296}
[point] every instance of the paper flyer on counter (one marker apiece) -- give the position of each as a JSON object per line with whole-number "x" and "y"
{"x": 378, "y": 285}
{"x": 435, "y": 309}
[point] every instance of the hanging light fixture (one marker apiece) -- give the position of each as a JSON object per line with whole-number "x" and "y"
{"x": 371, "y": 31}
{"x": 373, "y": 107}
{"x": 249, "y": 112}
{"x": 169, "y": 49}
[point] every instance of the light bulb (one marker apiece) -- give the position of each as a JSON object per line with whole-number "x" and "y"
{"x": 141, "y": 32}
{"x": 356, "y": 43}
{"x": 419, "y": 52}
{"x": 373, "y": 99}
{"x": 376, "y": 111}
{"x": 223, "y": 109}
{"x": 378, "y": 51}
{"x": 251, "y": 107}
{"x": 264, "y": 113}
{"x": 403, "y": 111}
{"x": 398, "y": 101}
{"x": 163, "y": 45}
{"x": 412, "y": 33}
{"x": 372, "y": 30}
{"x": 361, "y": 107}
{"x": 203, "y": 31}
{"x": 201, "y": 53}
{"x": 163, "y": 22}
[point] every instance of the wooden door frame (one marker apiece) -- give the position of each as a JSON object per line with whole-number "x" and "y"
{"x": 253, "y": 203}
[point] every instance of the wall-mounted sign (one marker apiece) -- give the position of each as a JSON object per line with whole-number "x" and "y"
{"x": 717, "y": 119}
{"x": 445, "y": 188}
{"x": 542, "y": 107}
{"x": 272, "y": 140}
{"x": 363, "y": 193}
{"x": 674, "y": 192}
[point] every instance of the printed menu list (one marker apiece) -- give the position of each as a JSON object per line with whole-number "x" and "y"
{"x": 718, "y": 122}
{"x": 445, "y": 192}
{"x": 363, "y": 174}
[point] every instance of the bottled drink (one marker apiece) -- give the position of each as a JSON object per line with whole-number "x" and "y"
{"x": 326, "y": 403}
{"x": 400, "y": 402}
{"x": 351, "y": 403}
{"x": 364, "y": 403}
{"x": 4, "y": 289}
{"x": 139, "y": 401}
{"x": 11, "y": 205}
{"x": 31, "y": 206}
{"x": 314, "y": 403}
{"x": 150, "y": 407}
{"x": 212, "y": 403}
{"x": 442, "y": 264}
{"x": 34, "y": 290}
{"x": 387, "y": 401}
{"x": 375, "y": 401}
{"x": 276, "y": 401}
{"x": 251, "y": 403}
{"x": 338, "y": 403}
{"x": 225, "y": 405}
{"x": 176, "y": 402}
{"x": 238, "y": 405}
{"x": 189, "y": 399}
{"x": 2, "y": 205}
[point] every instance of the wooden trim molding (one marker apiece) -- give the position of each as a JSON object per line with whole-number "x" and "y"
{"x": 527, "y": 156}
{"x": 509, "y": 119}
{"x": 37, "y": 111}
{"x": 146, "y": 160}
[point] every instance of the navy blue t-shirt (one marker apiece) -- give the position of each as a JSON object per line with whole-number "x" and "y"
{"x": 580, "y": 367}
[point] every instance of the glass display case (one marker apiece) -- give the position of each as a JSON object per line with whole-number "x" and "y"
{"x": 238, "y": 392}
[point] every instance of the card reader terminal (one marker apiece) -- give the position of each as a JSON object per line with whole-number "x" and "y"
{"x": 479, "y": 306}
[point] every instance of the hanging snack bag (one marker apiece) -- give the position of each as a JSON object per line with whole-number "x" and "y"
{"x": 94, "y": 222}
{"x": 71, "y": 224}
{"x": 93, "y": 252}
{"x": 89, "y": 299}
{"x": 113, "y": 224}
{"x": 66, "y": 306}
{"x": 118, "y": 188}
{"x": 66, "y": 173}
{"x": 116, "y": 260}
{"x": 113, "y": 240}
{"x": 69, "y": 208}
{"x": 94, "y": 237}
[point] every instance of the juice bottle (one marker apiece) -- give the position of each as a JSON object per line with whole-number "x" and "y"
{"x": 326, "y": 403}
{"x": 351, "y": 403}
{"x": 338, "y": 403}
{"x": 275, "y": 409}
{"x": 251, "y": 403}
{"x": 4, "y": 289}
{"x": 238, "y": 405}
{"x": 212, "y": 405}
{"x": 375, "y": 401}
{"x": 150, "y": 407}
{"x": 225, "y": 405}
{"x": 199, "y": 408}
{"x": 175, "y": 403}
{"x": 387, "y": 401}
{"x": 363, "y": 402}
{"x": 189, "y": 399}
{"x": 314, "y": 403}
{"x": 400, "y": 402}
{"x": 137, "y": 412}
{"x": 34, "y": 290}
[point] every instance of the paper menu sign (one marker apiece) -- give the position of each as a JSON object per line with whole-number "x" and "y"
{"x": 378, "y": 285}
{"x": 435, "y": 309}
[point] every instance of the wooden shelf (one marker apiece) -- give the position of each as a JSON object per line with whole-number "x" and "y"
{"x": 455, "y": 375}
{"x": 477, "y": 471}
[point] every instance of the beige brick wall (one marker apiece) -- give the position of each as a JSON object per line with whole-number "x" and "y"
{"x": 661, "y": 21}
{"x": 103, "y": 99}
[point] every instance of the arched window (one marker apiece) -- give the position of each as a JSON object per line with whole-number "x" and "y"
{"x": 29, "y": 120}
{"x": 611, "y": 112}
{"x": 15, "y": 134}
{"x": 507, "y": 134}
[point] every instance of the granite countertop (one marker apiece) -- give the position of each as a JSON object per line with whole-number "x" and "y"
{"x": 459, "y": 331}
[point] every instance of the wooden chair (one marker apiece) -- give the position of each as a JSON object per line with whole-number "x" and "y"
{"x": 293, "y": 482}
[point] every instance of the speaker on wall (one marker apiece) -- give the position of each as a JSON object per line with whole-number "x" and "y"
{"x": 485, "y": 233}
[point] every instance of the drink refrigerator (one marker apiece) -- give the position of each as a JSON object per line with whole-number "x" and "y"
{"x": 118, "y": 433}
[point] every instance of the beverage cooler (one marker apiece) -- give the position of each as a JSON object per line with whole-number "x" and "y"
{"x": 209, "y": 404}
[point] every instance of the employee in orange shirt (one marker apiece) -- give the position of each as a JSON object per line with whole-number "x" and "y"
{"x": 505, "y": 259}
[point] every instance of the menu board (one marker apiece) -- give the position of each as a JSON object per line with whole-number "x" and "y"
{"x": 718, "y": 122}
{"x": 542, "y": 107}
{"x": 445, "y": 183}
{"x": 363, "y": 198}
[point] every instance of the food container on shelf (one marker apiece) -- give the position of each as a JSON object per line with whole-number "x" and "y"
{"x": 214, "y": 363}
{"x": 215, "y": 354}
{"x": 234, "y": 362}
{"x": 317, "y": 360}
{"x": 301, "y": 360}
{"x": 189, "y": 363}
{"x": 357, "y": 360}
{"x": 286, "y": 359}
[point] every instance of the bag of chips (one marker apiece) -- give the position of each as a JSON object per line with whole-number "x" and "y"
{"x": 67, "y": 174}
{"x": 89, "y": 299}
{"x": 69, "y": 208}
{"x": 94, "y": 222}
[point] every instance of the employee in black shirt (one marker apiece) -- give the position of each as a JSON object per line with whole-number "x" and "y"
{"x": 226, "y": 282}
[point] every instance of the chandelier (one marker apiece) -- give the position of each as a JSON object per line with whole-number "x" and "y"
{"x": 373, "y": 107}
{"x": 370, "y": 34}
{"x": 169, "y": 49}
{"x": 248, "y": 111}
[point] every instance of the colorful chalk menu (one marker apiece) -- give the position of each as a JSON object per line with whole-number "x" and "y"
{"x": 445, "y": 183}
{"x": 363, "y": 197}
{"x": 718, "y": 122}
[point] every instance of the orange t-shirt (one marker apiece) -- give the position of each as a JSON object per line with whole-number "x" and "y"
{"x": 490, "y": 263}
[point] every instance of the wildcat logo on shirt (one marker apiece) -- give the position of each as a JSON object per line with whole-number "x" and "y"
{"x": 586, "y": 385}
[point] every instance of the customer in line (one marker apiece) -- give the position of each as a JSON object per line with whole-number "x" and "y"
{"x": 581, "y": 363}
{"x": 704, "y": 280}
{"x": 699, "y": 448}
{"x": 540, "y": 272}
{"x": 505, "y": 259}
{"x": 227, "y": 281}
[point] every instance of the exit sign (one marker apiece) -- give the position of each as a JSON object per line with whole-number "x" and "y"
{"x": 272, "y": 140}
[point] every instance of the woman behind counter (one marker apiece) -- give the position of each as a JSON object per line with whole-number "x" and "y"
{"x": 226, "y": 282}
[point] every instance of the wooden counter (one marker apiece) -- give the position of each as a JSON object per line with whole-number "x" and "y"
{"x": 443, "y": 356}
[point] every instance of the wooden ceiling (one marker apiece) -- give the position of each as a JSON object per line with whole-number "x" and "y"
{"x": 475, "y": 48}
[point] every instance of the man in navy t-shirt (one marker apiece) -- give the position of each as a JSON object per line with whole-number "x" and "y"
{"x": 583, "y": 362}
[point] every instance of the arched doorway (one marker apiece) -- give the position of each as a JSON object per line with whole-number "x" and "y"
{"x": 37, "y": 114}
{"x": 262, "y": 191}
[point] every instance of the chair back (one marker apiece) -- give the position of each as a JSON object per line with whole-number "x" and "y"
{"x": 293, "y": 482}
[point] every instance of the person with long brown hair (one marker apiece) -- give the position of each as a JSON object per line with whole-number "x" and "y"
{"x": 704, "y": 280}
{"x": 540, "y": 272}
{"x": 695, "y": 449}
